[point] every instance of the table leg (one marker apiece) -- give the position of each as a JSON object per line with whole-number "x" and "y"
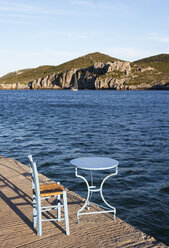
{"x": 88, "y": 195}
{"x": 101, "y": 192}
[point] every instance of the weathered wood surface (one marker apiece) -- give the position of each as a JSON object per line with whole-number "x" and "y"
{"x": 93, "y": 231}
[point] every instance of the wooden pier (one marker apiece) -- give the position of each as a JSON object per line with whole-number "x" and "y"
{"x": 16, "y": 228}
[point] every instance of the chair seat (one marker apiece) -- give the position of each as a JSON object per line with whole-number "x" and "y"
{"x": 50, "y": 189}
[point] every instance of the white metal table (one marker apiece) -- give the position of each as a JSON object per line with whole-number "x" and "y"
{"x": 95, "y": 164}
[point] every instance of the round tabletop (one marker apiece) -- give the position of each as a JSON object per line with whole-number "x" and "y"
{"x": 94, "y": 163}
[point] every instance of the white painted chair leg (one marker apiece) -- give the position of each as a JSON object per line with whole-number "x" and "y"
{"x": 59, "y": 208}
{"x": 39, "y": 220}
{"x": 34, "y": 211}
{"x": 66, "y": 212}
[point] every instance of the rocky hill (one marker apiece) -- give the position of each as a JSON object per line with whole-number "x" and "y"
{"x": 94, "y": 71}
{"x": 159, "y": 76}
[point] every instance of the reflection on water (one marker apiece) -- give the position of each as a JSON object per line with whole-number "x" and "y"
{"x": 130, "y": 126}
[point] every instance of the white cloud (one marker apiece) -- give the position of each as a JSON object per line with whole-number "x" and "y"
{"x": 100, "y": 4}
{"x": 14, "y": 7}
{"x": 128, "y": 53}
{"x": 8, "y": 8}
{"x": 158, "y": 37}
{"x": 81, "y": 2}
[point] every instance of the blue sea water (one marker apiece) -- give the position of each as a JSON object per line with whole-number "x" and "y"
{"x": 130, "y": 126}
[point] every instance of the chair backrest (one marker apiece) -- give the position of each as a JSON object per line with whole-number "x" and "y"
{"x": 31, "y": 169}
{"x": 34, "y": 173}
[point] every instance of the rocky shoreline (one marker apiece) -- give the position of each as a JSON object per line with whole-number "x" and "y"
{"x": 117, "y": 75}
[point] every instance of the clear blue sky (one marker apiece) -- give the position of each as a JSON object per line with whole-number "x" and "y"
{"x": 50, "y": 32}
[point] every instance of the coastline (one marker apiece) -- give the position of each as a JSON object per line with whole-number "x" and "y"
{"x": 26, "y": 87}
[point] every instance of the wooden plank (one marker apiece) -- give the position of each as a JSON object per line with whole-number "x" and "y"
{"x": 16, "y": 228}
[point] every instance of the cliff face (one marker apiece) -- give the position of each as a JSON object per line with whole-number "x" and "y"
{"x": 14, "y": 86}
{"x": 98, "y": 76}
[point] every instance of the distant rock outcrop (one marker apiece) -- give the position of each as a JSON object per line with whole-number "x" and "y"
{"x": 14, "y": 86}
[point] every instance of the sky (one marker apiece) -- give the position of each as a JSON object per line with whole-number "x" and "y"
{"x": 40, "y": 32}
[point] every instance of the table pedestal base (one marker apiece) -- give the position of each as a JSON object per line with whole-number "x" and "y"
{"x": 91, "y": 189}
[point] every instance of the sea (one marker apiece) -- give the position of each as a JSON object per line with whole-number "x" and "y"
{"x": 132, "y": 127}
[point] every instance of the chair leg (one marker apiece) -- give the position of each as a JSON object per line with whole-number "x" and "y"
{"x": 59, "y": 208}
{"x": 39, "y": 220}
{"x": 34, "y": 211}
{"x": 66, "y": 212}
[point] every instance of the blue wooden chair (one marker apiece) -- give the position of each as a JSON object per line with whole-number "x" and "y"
{"x": 44, "y": 192}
